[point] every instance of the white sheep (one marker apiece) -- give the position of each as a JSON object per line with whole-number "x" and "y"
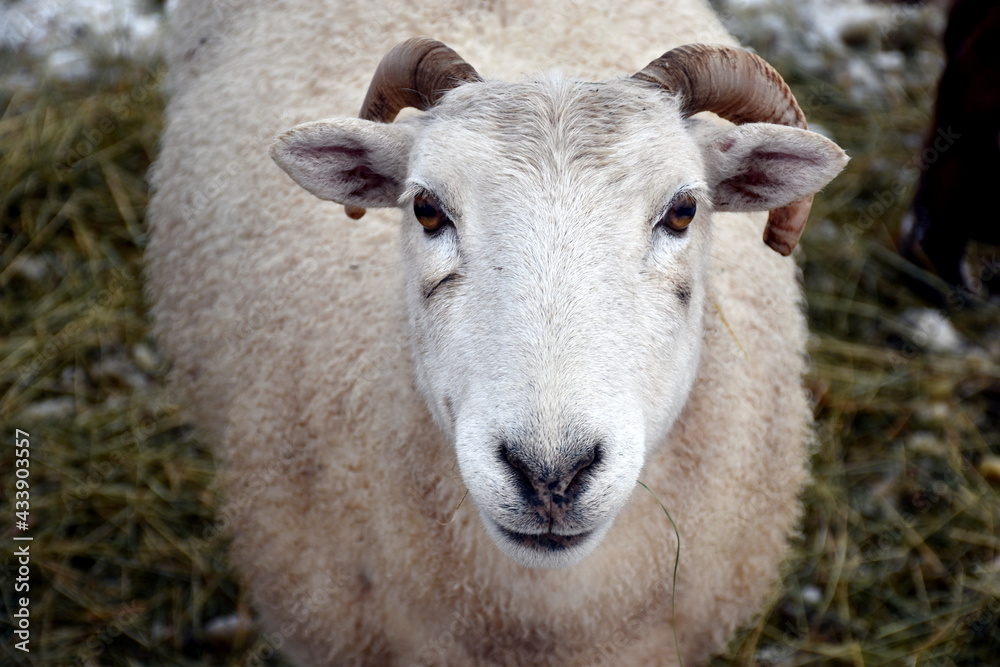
{"x": 574, "y": 300}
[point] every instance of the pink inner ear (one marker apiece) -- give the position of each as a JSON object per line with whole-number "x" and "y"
{"x": 779, "y": 156}
{"x": 755, "y": 180}
{"x": 753, "y": 177}
{"x": 746, "y": 184}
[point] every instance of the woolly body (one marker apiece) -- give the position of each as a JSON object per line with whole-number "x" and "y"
{"x": 287, "y": 327}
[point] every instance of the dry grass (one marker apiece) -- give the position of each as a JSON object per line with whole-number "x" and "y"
{"x": 898, "y": 560}
{"x": 123, "y": 570}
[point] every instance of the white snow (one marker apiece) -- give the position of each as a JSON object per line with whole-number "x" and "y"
{"x": 932, "y": 330}
{"x": 66, "y": 33}
{"x": 851, "y": 43}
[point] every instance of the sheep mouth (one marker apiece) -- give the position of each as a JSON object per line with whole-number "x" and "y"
{"x": 546, "y": 541}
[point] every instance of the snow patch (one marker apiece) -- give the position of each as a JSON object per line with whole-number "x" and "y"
{"x": 65, "y": 34}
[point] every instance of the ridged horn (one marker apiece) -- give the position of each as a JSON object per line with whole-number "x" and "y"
{"x": 742, "y": 88}
{"x": 415, "y": 73}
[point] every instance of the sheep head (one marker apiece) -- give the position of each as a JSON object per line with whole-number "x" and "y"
{"x": 555, "y": 236}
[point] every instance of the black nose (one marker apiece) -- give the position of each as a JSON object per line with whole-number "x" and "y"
{"x": 551, "y": 485}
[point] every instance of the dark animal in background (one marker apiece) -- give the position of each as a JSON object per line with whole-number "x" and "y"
{"x": 961, "y": 159}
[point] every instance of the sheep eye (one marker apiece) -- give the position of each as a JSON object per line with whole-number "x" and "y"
{"x": 429, "y": 213}
{"x": 680, "y": 213}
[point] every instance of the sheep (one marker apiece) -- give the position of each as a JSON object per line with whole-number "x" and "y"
{"x": 960, "y": 159}
{"x": 431, "y": 425}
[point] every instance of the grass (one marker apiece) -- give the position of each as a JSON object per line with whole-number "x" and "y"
{"x": 898, "y": 560}
{"x": 124, "y": 569}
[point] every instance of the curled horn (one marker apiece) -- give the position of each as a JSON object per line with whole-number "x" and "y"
{"x": 415, "y": 73}
{"x": 742, "y": 88}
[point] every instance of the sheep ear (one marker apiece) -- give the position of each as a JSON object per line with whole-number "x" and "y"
{"x": 762, "y": 166}
{"x": 348, "y": 160}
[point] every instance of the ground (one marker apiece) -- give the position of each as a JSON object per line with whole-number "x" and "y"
{"x": 898, "y": 562}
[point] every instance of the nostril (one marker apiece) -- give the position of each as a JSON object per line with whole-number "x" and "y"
{"x": 548, "y": 482}
{"x": 588, "y": 460}
{"x": 520, "y": 466}
{"x": 583, "y": 467}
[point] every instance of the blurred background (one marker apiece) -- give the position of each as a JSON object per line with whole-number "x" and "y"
{"x": 898, "y": 561}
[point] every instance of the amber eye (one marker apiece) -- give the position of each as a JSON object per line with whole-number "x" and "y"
{"x": 429, "y": 212}
{"x": 680, "y": 213}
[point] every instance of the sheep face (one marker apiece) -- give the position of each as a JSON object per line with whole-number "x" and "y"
{"x": 555, "y": 236}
